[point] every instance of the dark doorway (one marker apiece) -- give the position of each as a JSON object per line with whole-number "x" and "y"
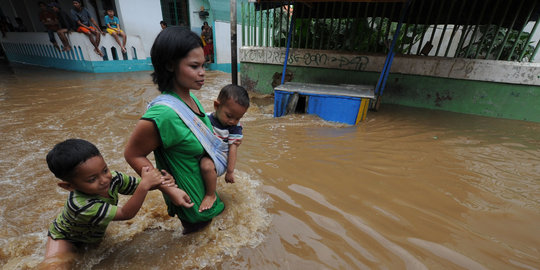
{"x": 175, "y": 12}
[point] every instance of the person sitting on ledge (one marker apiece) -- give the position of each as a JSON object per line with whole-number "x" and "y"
{"x": 83, "y": 19}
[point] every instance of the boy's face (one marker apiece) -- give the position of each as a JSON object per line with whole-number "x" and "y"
{"x": 91, "y": 177}
{"x": 110, "y": 13}
{"x": 229, "y": 113}
{"x": 76, "y": 4}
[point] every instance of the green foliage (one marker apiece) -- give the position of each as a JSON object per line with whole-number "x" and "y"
{"x": 494, "y": 41}
{"x": 347, "y": 34}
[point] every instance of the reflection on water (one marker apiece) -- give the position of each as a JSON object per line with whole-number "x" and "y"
{"x": 407, "y": 189}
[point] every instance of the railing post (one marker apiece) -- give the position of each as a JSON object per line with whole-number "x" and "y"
{"x": 234, "y": 60}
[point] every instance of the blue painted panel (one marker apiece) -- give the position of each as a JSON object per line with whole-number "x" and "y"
{"x": 341, "y": 109}
{"x": 281, "y": 98}
{"x": 334, "y": 108}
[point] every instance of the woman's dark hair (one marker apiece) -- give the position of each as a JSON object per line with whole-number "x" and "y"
{"x": 171, "y": 45}
{"x": 67, "y": 155}
{"x": 236, "y": 93}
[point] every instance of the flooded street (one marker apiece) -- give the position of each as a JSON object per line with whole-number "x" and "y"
{"x": 406, "y": 189}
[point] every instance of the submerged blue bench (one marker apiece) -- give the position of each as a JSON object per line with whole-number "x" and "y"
{"x": 344, "y": 103}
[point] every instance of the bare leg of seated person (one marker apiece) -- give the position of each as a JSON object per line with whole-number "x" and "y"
{"x": 98, "y": 52}
{"x": 62, "y": 35}
{"x": 56, "y": 46}
{"x": 124, "y": 40}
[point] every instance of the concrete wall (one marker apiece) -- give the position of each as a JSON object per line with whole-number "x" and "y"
{"x": 140, "y": 18}
{"x": 456, "y": 68}
{"x": 36, "y": 49}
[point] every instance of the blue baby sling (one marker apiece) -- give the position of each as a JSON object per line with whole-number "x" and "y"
{"x": 214, "y": 146}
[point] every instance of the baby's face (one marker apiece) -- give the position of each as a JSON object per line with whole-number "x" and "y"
{"x": 92, "y": 177}
{"x": 229, "y": 113}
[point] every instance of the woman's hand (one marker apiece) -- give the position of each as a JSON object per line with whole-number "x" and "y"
{"x": 179, "y": 197}
{"x": 168, "y": 180}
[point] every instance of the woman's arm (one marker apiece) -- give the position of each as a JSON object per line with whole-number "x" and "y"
{"x": 142, "y": 142}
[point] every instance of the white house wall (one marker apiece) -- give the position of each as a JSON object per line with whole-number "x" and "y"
{"x": 141, "y": 18}
{"x": 222, "y": 41}
{"x": 194, "y": 6}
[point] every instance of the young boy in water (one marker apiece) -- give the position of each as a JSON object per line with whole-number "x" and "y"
{"x": 230, "y": 106}
{"x": 93, "y": 197}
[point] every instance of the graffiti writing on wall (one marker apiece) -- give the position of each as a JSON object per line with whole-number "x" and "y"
{"x": 456, "y": 68}
{"x": 308, "y": 58}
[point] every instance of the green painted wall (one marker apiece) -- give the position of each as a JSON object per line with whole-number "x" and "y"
{"x": 221, "y": 10}
{"x": 512, "y": 101}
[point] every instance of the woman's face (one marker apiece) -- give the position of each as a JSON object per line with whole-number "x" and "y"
{"x": 189, "y": 74}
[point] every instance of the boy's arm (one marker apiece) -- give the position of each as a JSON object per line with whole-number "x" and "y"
{"x": 118, "y": 24}
{"x": 150, "y": 178}
{"x": 231, "y": 163}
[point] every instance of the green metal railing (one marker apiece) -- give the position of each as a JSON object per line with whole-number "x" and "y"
{"x": 476, "y": 29}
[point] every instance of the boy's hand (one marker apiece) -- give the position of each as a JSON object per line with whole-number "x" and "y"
{"x": 229, "y": 177}
{"x": 150, "y": 177}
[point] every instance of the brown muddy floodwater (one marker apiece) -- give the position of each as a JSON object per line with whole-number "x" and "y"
{"x": 406, "y": 189}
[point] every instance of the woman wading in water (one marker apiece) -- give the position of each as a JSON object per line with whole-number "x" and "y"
{"x": 178, "y": 58}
